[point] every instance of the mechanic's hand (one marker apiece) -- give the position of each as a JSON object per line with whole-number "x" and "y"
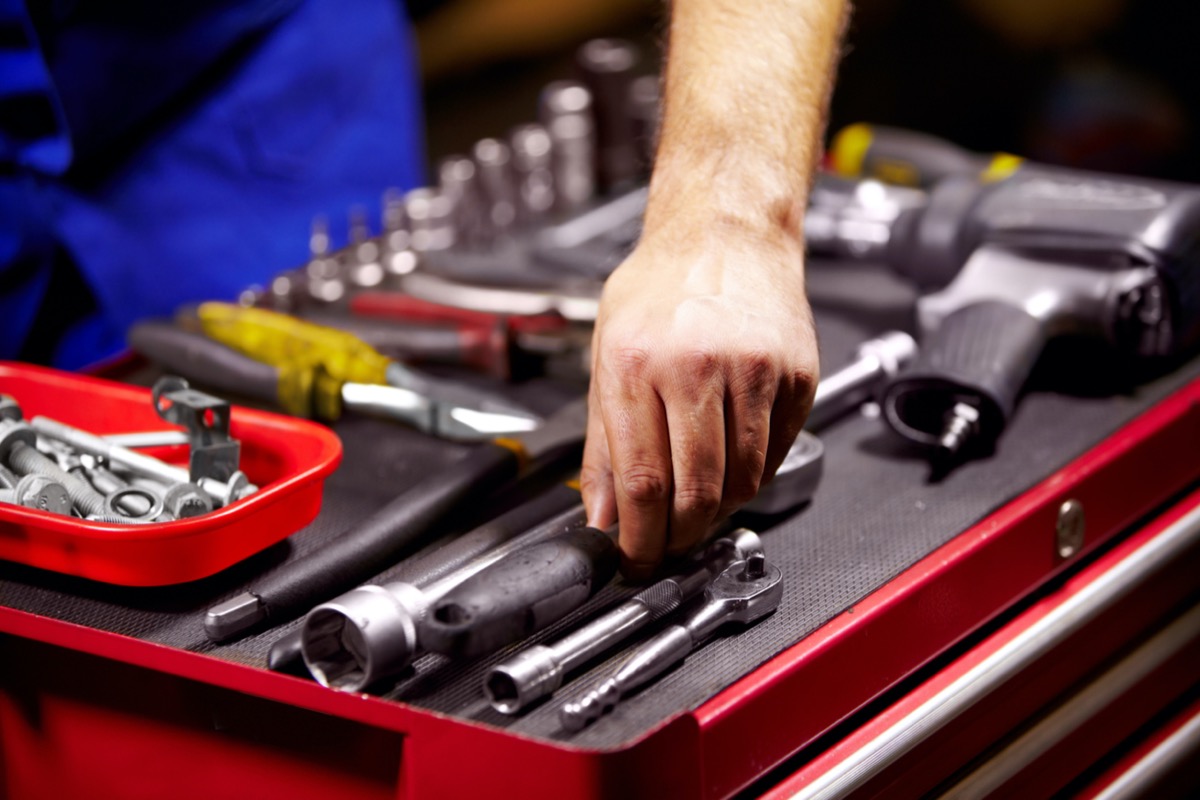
{"x": 704, "y": 369}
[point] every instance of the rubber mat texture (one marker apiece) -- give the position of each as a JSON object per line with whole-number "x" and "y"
{"x": 876, "y": 512}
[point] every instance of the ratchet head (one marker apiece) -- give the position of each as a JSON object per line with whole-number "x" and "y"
{"x": 744, "y": 592}
{"x": 737, "y": 545}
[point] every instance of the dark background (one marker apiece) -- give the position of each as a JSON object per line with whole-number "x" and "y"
{"x": 1098, "y": 84}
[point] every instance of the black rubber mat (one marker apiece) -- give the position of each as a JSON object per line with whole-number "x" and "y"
{"x": 876, "y": 512}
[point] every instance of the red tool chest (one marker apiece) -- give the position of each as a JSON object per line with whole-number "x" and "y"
{"x": 85, "y": 711}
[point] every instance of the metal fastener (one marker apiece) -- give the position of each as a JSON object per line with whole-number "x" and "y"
{"x": 117, "y": 519}
{"x": 106, "y": 482}
{"x": 8, "y": 479}
{"x": 115, "y": 503}
{"x": 1068, "y": 531}
{"x": 187, "y": 500}
{"x": 17, "y": 447}
{"x": 221, "y": 493}
{"x": 213, "y": 454}
{"x": 144, "y": 439}
{"x": 40, "y": 492}
{"x": 10, "y": 409}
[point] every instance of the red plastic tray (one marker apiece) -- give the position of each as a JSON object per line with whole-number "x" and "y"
{"x": 287, "y": 458}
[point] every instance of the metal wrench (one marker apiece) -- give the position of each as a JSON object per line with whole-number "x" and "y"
{"x": 538, "y": 671}
{"x": 744, "y": 593}
{"x": 370, "y": 633}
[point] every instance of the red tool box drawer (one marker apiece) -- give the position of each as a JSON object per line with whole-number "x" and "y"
{"x": 1041, "y": 702}
{"x": 287, "y": 458}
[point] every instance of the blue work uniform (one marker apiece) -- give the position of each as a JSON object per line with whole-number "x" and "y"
{"x": 158, "y": 153}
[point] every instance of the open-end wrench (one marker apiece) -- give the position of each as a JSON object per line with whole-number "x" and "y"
{"x": 744, "y": 593}
{"x": 538, "y": 671}
{"x": 875, "y": 362}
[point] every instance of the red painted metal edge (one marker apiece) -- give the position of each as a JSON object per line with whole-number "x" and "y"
{"x": 1054, "y": 769}
{"x": 75, "y": 725}
{"x": 806, "y": 690}
{"x": 1025, "y": 697}
{"x": 1120, "y": 766}
{"x": 207, "y": 669}
{"x": 432, "y": 767}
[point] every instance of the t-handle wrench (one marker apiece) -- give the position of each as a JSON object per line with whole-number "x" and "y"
{"x": 744, "y": 593}
{"x": 538, "y": 671}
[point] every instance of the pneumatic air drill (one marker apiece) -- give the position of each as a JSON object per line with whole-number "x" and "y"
{"x": 1011, "y": 261}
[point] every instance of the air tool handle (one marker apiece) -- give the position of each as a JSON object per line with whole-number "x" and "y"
{"x": 521, "y": 594}
{"x": 965, "y": 380}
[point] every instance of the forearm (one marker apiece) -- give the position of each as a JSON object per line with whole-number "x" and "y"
{"x": 747, "y": 85}
{"x": 705, "y": 357}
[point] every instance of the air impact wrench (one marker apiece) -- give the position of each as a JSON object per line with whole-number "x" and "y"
{"x": 1011, "y": 263}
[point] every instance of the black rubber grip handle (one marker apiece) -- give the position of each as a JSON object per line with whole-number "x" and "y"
{"x": 286, "y": 653}
{"x": 200, "y": 359}
{"x": 380, "y": 540}
{"x": 466, "y": 548}
{"x": 520, "y": 595}
{"x": 980, "y": 355}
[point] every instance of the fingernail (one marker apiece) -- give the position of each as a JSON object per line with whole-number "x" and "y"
{"x": 597, "y": 505}
{"x": 592, "y": 506}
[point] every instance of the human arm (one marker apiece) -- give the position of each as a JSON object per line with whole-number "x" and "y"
{"x": 704, "y": 356}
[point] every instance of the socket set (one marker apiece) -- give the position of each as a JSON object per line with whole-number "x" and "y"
{"x": 553, "y": 207}
{"x": 100, "y": 481}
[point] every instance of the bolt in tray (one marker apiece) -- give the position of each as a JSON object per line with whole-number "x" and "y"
{"x": 288, "y": 458}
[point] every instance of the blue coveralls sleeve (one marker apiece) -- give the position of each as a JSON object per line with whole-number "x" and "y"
{"x": 177, "y": 152}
